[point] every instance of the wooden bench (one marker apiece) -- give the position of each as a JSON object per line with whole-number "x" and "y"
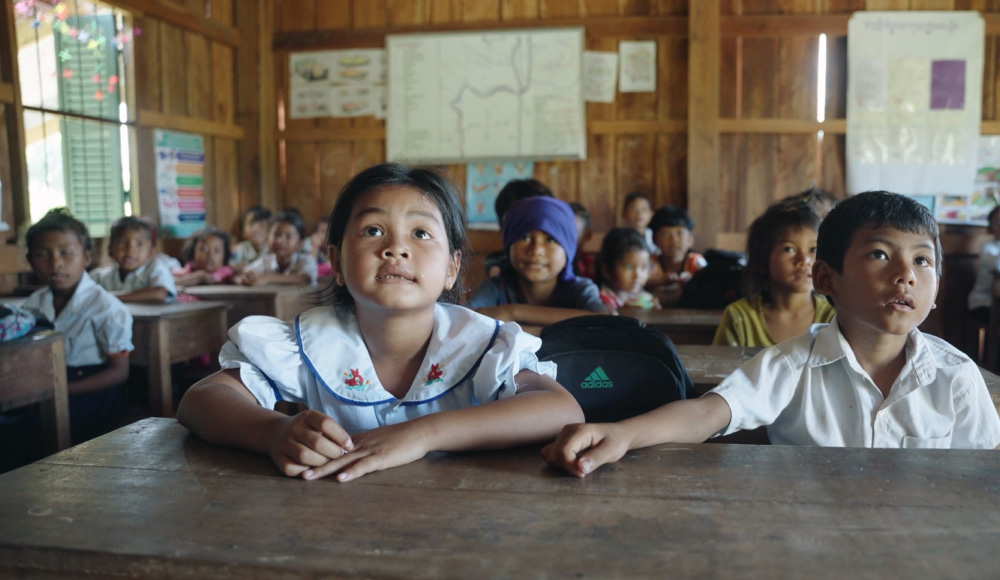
{"x": 33, "y": 370}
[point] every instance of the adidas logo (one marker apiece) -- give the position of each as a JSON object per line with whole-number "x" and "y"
{"x": 597, "y": 380}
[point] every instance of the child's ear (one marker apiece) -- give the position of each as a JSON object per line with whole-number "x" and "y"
{"x": 454, "y": 267}
{"x": 331, "y": 250}
{"x": 823, "y": 275}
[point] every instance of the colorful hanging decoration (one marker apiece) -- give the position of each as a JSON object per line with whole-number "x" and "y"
{"x": 88, "y": 36}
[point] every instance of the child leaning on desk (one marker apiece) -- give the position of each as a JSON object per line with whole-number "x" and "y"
{"x": 869, "y": 378}
{"x": 392, "y": 370}
{"x": 137, "y": 275}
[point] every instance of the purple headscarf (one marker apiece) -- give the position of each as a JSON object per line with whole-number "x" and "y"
{"x": 548, "y": 214}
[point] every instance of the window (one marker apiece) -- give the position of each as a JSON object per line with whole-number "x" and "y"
{"x": 71, "y": 66}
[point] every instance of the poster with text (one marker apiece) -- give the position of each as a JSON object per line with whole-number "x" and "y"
{"x": 483, "y": 181}
{"x": 914, "y": 106}
{"x": 180, "y": 176}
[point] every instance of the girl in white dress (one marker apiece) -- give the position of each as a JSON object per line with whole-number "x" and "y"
{"x": 392, "y": 369}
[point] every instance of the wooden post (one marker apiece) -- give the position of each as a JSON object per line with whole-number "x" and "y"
{"x": 703, "y": 120}
{"x": 256, "y": 108}
{"x": 14, "y": 118}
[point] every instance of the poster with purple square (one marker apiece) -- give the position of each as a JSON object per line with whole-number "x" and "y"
{"x": 947, "y": 84}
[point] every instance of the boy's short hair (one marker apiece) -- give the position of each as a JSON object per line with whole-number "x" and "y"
{"x": 257, "y": 213}
{"x": 132, "y": 222}
{"x": 580, "y": 212}
{"x": 671, "y": 216}
{"x": 631, "y": 197}
{"x": 208, "y": 231}
{"x": 292, "y": 217}
{"x": 992, "y": 215}
{"x": 876, "y": 209}
{"x": 58, "y": 220}
{"x": 515, "y": 191}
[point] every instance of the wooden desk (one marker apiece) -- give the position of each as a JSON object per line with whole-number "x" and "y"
{"x": 682, "y": 325}
{"x": 151, "y": 501}
{"x": 169, "y": 333}
{"x": 33, "y": 370}
{"x": 284, "y": 302}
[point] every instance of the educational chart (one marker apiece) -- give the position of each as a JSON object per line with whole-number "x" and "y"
{"x": 459, "y": 97}
{"x": 913, "y": 111}
{"x": 337, "y": 83}
{"x": 180, "y": 173}
{"x": 483, "y": 181}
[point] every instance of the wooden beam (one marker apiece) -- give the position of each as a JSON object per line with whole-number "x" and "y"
{"x": 7, "y": 93}
{"x": 14, "y": 120}
{"x": 182, "y": 18}
{"x": 990, "y": 128}
{"x": 992, "y": 23}
{"x": 636, "y": 127}
{"x": 625, "y": 27}
{"x": 785, "y": 25}
{"x": 703, "y": 118}
{"x": 782, "y": 126}
{"x": 331, "y": 134}
{"x": 153, "y": 119}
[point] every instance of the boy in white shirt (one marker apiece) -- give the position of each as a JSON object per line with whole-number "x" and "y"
{"x": 870, "y": 378}
{"x": 137, "y": 275}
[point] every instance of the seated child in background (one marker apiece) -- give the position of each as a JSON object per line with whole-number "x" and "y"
{"x": 584, "y": 264}
{"x": 636, "y": 214}
{"x": 777, "y": 285}
{"x": 96, "y": 325}
{"x": 254, "y": 244}
{"x": 137, "y": 276}
{"x": 672, "y": 233}
{"x": 319, "y": 247}
{"x": 989, "y": 262}
{"x": 514, "y": 191}
{"x": 393, "y": 370}
{"x": 624, "y": 271}
{"x": 206, "y": 256}
{"x": 286, "y": 263}
{"x": 537, "y": 285}
{"x": 870, "y": 378}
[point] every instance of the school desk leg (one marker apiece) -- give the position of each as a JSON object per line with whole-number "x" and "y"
{"x": 161, "y": 396}
{"x": 55, "y": 411}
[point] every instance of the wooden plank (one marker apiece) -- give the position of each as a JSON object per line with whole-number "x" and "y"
{"x": 887, "y": 5}
{"x": 208, "y": 182}
{"x": 301, "y": 187}
{"x": 444, "y": 11}
{"x": 15, "y": 160}
{"x": 670, "y": 162}
{"x": 599, "y": 8}
{"x": 197, "y": 63}
{"x": 781, "y": 25}
{"x": 264, "y": 161}
{"x": 598, "y": 180}
{"x": 558, "y": 9}
{"x": 148, "y": 79}
{"x": 7, "y": 93}
{"x": 373, "y": 35}
{"x": 761, "y": 176}
{"x": 225, "y": 176}
{"x": 370, "y": 14}
{"x": 334, "y": 173}
{"x": 222, "y": 12}
{"x": 795, "y": 164}
{"x": 182, "y": 18}
{"x": 990, "y": 128}
{"x": 760, "y": 62}
{"x": 673, "y": 7}
{"x": 519, "y": 9}
{"x": 562, "y": 177}
{"x": 732, "y": 184}
{"x": 173, "y": 76}
{"x": 481, "y": 11}
{"x": 932, "y": 4}
{"x": 334, "y": 134}
{"x": 407, "y": 12}
{"x": 834, "y": 163}
{"x": 796, "y": 78}
{"x": 188, "y": 124}
{"x": 703, "y": 119}
{"x": 333, "y": 14}
{"x": 671, "y": 78}
{"x": 223, "y": 84}
{"x": 730, "y": 81}
{"x": 834, "y": 126}
{"x": 298, "y": 15}
{"x": 635, "y": 164}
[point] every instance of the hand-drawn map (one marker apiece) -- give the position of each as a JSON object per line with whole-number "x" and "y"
{"x": 457, "y": 97}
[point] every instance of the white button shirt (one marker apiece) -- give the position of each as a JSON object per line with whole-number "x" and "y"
{"x": 95, "y": 323}
{"x": 811, "y": 390}
{"x": 302, "y": 263}
{"x": 152, "y": 274}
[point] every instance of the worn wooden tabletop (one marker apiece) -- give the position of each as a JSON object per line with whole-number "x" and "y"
{"x": 149, "y": 500}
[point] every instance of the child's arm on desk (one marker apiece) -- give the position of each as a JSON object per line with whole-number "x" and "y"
{"x": 531, "y": 314}
{"x": 582, "y": 448}
{"x": 116, "y": 373}
{"x": 155, "y": 295}
{"x": 538, "y": 410}
{"x": 277, "y": 279}
{"x": 220, "y": 410}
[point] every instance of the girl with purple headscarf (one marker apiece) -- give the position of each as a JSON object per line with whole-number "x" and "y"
{"x": 537, "y": 286}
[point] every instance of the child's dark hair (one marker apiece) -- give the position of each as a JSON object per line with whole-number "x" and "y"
{"x": 425, "y": 180}
{"x": 670, "y": 216}
{"x": 515, "y": 191}
{"x": 633, "y": 196}
{"x": 293, "y": 218}
{"x": 581, "y": 212}
{"x": 766, "y": 231}
{"x": 58, "y": 220}
{"x": 820, "y": 200}
{"x": 992, "y": 215}
{"x": 257, "y": 213}
{"x": 875, "y": 209}
{"x": 135, "y": 223}
{"x": 188, "y": 252}
{"x": 617, "y": 243}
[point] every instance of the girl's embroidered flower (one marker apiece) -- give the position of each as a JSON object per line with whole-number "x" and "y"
{"x": 435, "y": 375}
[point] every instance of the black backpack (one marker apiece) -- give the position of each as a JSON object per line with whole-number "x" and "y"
{"x": 615, "y": 366}
{"x": 717, "y": 284}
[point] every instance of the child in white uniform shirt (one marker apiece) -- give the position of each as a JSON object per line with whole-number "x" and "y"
{"x": 870, "y": 378}
{"x": 137, "y": 276}
{"x": 286, "y": 263}
{"x": 96, "y": 325}
{"x": 255, "y": 227}
{"x": 389, "y": 371}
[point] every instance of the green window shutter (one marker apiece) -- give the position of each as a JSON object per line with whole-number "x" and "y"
{"x": 91, "y": 150}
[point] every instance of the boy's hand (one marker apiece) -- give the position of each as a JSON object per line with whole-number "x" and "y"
{"x": 375, "y": 450}
{"x": 308, "y": 440}
{"x": 583, "y": 447}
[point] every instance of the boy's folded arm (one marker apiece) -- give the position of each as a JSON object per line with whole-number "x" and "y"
{"x": 154, "y": 294}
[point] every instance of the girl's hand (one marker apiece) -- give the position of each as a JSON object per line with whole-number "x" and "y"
{"x": 375, "y": 450}
{"x": 308, "y": 440}
{"x": 583, "y": 447}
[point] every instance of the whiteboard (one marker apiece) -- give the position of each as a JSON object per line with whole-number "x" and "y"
{"x": 473, "y": 96}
